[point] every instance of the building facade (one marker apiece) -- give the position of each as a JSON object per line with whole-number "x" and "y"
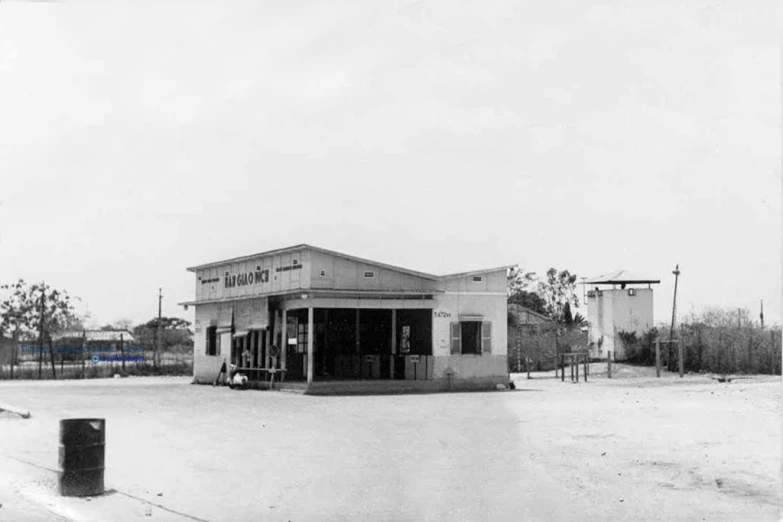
{"x": 324, "y": 322}
{"x": 618, "y": 302}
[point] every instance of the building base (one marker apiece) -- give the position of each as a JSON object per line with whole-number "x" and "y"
{"x": 383, "y": 387}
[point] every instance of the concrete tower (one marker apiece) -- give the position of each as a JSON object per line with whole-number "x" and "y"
{"x": 616, "y": 302}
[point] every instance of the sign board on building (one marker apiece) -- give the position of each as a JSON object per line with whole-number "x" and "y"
{"x": 414, "y": 359}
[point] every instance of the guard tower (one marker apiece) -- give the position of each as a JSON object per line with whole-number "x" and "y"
{"x": 616, "y": 302}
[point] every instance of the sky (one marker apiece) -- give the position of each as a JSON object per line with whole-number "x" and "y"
{"x": 139, "y": 138}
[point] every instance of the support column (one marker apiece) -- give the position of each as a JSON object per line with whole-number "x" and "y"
{"x": 310, "y": 347}
{"x": 393, "y": 340}
{"x": 283, "y": 338}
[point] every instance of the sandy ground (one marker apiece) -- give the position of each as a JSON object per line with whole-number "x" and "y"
{"x": 633, "y": 448}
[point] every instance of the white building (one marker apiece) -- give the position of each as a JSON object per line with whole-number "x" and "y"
{"x": 617, "y": 302}
{"x": 327, "y": 322}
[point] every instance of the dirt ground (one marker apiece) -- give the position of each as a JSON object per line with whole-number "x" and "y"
{"x": 632, "y": 448}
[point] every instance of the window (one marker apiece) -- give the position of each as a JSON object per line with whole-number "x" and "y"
{"x": 212, "y": 348}
{"x": 471, "y": 337}
{"x": 301, "y": 337}
{"x": 323, "y": 273}
{"x": 478, "y": 279}
{"x": 369, "y": 274}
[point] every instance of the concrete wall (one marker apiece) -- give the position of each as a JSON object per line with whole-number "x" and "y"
{"x": 205, "y": 367}
{"x": 483, "y": 300}
{"x": 615, "y": 311}
{"x": 470, "y": 366}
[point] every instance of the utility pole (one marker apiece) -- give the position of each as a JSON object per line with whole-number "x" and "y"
{"x": 157, "y": 340}
{"x": 761, "y": 315}
{"x": 41, "y": 331}
{"x": 584, "y": 291}
{"x": 676, "y": 273}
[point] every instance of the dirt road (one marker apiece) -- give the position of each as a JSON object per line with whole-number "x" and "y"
{"x": 627, "y": 449}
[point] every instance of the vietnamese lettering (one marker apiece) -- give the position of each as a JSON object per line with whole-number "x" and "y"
{"x": 244, "y": 279}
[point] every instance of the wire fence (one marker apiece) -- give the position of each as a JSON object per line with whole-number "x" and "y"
{"x": 712, "y": 349}
{"x": 539, "y": 348}
{"x": 63, "y": 360}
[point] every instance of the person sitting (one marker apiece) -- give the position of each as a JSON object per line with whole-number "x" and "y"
{"x": 236, "y": 379}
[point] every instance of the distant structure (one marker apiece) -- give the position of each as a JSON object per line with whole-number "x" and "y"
{"x": 617, "y": 302}
{"x": 527, "y": 318}
{"x": 98, "y": 336}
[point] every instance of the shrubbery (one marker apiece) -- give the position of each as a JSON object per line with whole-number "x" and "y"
{"x": 716, "y": 341}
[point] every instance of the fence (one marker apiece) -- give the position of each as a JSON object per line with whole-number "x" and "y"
{"x": 538, "y": 348}
{"x": 713, "y": 349}
{"x": 74, "y": 361}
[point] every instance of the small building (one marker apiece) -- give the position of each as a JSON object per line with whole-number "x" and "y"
{"x": 527, "y": 318}
{"x": 98, "y": 336}
{"x": 617, "y": 302}
{"x": 326, "y": 322}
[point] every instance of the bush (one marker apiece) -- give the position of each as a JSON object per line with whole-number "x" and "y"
{"x": 716, "y": 341}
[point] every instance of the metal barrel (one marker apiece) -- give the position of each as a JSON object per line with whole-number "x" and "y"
{"x": 82, "y": 457}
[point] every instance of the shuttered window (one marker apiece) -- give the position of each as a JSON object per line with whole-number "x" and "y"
{"x": 486, "y": 337}
{"x": 471, "y": 338}
{"x": 456, "y": 338}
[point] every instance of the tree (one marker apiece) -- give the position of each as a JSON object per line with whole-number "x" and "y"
{"x": 559, "y": 290}
{"x": 122, "y": 324}
{"x": 16, "y": 309}
{"x": 175, "y": 333}
{"x": 519, "y": 283}
{"x": 37, "y": 311}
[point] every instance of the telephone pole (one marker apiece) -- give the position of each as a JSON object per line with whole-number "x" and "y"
{"x": 676, "y": 273}
{"x": 157, "y": 331}
{"x": 41, "y": 330}
{"x": 761, "y": 315}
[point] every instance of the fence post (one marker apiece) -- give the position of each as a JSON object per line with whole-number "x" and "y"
{"x": 609, "y": 363}
{"x": 562, "y": 367}
{"x": 657, "y": 357}
{"x": 681, "y": 350}
{"x": 575, "y": 362}
{"x": 587, "y": 365}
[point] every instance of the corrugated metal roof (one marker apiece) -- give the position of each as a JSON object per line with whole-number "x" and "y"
{"x": 620, "y": 277}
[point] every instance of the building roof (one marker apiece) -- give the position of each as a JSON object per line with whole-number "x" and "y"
{"x": 524, "y": 312}
{"x": 620, "y": 277}
{"x": 476, "y": 272}
{"x": 98, "y": 335}
{"x": 304, "y": 246}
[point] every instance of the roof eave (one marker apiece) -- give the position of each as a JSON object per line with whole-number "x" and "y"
{"x": 476, "y": 272}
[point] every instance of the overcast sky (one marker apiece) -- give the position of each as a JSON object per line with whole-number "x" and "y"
{"x": 138, "y": 138}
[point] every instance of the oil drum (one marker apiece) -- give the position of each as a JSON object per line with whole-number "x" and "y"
{"x": 82, "y": 457}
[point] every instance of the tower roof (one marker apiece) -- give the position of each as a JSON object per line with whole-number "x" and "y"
{"x": 621, "y": 277}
